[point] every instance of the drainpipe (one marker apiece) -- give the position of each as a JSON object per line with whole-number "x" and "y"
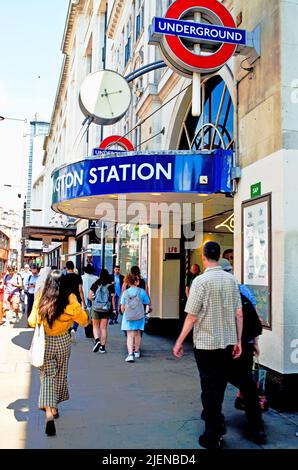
{"x": 236, "y": 171}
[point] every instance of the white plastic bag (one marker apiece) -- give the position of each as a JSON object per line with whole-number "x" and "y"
{"x": 37, "y": 346}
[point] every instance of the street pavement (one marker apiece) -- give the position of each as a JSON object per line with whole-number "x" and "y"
{"x": 153, "y": 403}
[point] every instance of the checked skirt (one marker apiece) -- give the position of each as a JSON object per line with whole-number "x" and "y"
{"x": 53, "y": 373}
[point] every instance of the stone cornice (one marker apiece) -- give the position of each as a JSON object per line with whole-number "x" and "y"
{"x": 114, "y": 17}
{"x": 73, "y": 10}
{"x": 57, "y": 103}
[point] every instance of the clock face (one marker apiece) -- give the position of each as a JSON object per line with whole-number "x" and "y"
{"x": 106, "y": 96}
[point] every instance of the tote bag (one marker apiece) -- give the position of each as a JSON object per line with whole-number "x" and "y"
{"x": 37, "y": 346}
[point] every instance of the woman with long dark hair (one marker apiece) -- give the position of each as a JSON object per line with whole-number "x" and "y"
{"x": 57, "y": 309}
{"x": 102, "y": 295}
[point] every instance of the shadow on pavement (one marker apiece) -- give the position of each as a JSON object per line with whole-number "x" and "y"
{"x": 23, "y": 339}
{"x": 21, "y": 409}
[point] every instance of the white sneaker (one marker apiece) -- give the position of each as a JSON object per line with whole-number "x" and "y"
{"x": 73, "y": 336}
{"x": 137, "y": 354}
{"x": 130, "y": 358}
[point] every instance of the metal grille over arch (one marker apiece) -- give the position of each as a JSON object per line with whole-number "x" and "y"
{"x": 214, "y": 128}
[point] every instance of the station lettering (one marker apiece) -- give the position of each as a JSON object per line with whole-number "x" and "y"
{"x": 69, "y": 180}
{"x": 115, "y": 173}
{"x": 199, "y": 31}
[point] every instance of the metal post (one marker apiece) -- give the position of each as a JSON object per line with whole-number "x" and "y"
{"x": 23, "y": 239}
{"x": 114, "y": 246}
{"x": 103, "y": 244}
{"x": 196, "y": 80}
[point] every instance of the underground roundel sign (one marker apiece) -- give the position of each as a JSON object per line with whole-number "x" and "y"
{"x": 117, "y": 139}
{"x": 192, "y": 23}
{"x": 106, "y": 146}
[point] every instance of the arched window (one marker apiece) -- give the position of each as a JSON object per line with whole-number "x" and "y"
{"x": 215, "y": 127}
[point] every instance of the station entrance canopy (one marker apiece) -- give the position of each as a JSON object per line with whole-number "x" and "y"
{"x": 83, "y": 188}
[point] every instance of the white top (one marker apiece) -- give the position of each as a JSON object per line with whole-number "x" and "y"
{"x": 88, "y": 280}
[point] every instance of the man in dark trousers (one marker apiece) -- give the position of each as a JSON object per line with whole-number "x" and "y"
{"x": 117, "y": 280}
{"x": 214, "y": 312}
{"x": 29, "y": 287}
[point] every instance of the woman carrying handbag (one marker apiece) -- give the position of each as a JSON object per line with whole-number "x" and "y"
{"x": 57, "y": 310}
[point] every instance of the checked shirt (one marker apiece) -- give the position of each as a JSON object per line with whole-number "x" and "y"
{"x": 214, "y": 299}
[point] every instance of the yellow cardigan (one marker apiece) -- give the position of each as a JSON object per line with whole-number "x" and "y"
{"x": 72, "y": 313}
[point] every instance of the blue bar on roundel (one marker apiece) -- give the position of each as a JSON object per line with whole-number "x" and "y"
{"x": 199, "y": 31}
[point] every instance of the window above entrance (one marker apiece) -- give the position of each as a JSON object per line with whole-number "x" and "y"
{"x": 214, "y": 129}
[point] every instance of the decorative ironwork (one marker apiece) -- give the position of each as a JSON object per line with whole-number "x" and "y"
{"x": 214, "y": 128}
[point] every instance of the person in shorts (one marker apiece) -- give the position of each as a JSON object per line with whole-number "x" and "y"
{"x": 100, "y": 319}
{"x": 13, "y": 286}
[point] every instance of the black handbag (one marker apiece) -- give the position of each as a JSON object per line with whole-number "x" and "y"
{"x": 89, "y": 331}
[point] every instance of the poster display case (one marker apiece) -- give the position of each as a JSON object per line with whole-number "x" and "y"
{"x": 256, "y": 253}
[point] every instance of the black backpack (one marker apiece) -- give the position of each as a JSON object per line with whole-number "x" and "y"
{"x": 252, "y": 326}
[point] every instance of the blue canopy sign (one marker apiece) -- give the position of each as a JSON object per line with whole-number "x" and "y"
{"x": 176, "y": 172}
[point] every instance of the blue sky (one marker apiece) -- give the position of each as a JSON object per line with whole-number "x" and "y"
{"x": 31, "y": 34}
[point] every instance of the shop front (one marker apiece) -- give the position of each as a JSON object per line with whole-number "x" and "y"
{"x": 56, "y": 242}
{"x": 4, "y": 252}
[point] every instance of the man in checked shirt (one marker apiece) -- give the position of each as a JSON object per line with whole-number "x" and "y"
{"x": 214, "y": 311}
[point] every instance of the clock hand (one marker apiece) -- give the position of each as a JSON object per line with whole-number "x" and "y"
{"x": 112, "y": 93}
{"x": 106, "y": 95}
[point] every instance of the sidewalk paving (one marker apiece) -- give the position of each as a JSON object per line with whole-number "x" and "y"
{"x": 153, "y": 403}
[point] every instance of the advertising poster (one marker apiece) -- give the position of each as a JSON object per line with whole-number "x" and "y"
{"x": 256, "y": 252}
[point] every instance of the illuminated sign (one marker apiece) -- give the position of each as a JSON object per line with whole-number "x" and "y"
{"x": 162, "y": 172}
{"x": 228, "y": 223}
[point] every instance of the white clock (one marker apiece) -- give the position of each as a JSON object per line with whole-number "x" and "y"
{"x": 105, "y": 96}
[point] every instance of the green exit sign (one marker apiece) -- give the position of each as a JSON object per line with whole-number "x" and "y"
{"x": 255, "y": 190}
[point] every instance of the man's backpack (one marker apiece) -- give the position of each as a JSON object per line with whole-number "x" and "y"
{"x": 252, "y": 326}
{"x": 134, "y": 308}
{"x": 102, "y": 299}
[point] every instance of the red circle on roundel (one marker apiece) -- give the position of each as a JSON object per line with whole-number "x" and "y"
{"x": 214, "y": 61}
{"x": 117, "y": 139}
